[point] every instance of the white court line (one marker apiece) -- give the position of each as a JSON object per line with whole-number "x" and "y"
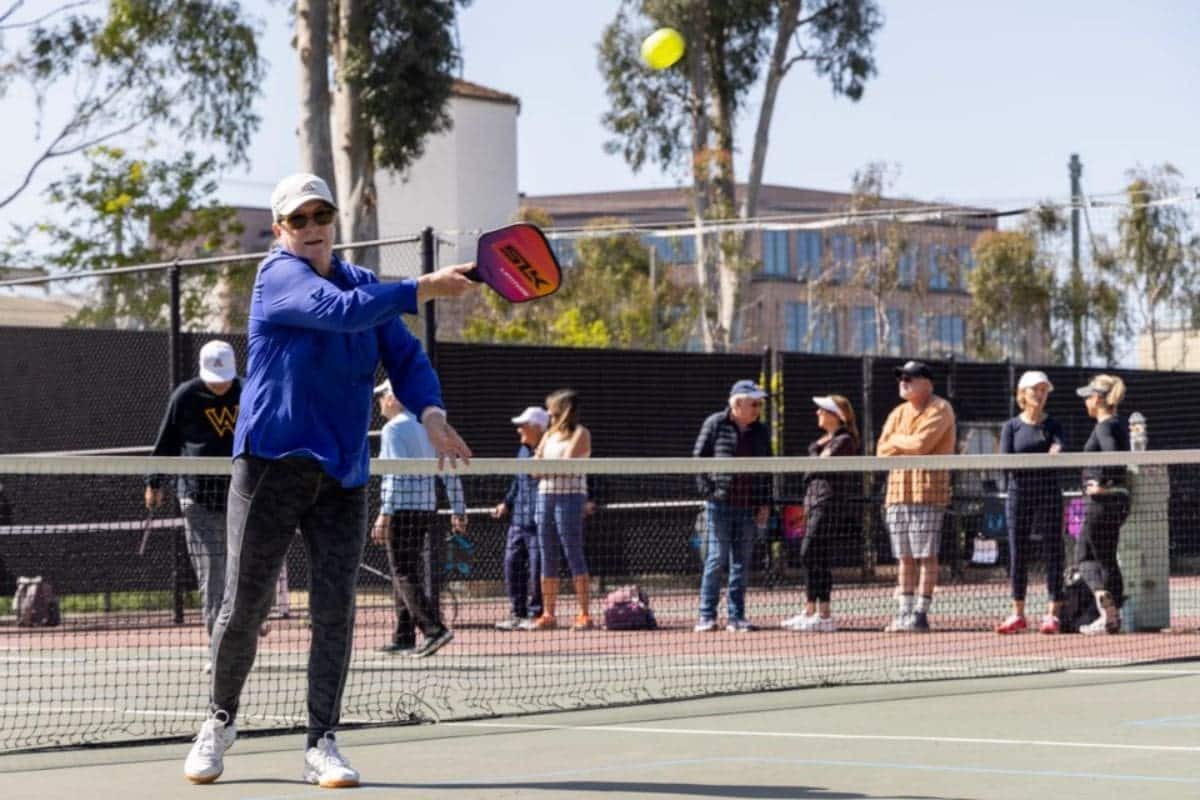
{"x": 831, "y": 736}
{"x": 1135, "y": 671}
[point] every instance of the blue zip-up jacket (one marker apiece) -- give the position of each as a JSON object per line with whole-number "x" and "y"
{"x": 315, "y": 344}
{"x": 521, "y": 498}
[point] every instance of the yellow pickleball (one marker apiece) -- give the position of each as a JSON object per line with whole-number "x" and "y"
{"x": 662, "y": 48}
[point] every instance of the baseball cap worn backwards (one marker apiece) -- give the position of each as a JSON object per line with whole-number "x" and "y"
{"x": 296, "y": 190}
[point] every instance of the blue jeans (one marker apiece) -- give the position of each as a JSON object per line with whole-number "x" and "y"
{"x": 729, "y": 534}
{"x": 560, "y": 527}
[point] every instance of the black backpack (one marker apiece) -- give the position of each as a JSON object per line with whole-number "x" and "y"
{"x": 1079, "y": 606}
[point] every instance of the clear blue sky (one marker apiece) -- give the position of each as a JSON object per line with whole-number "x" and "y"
{"x": 975, "y": 101}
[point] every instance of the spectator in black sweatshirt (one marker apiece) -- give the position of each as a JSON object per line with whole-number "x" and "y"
{"x": 199, "y": 422}
{"x": 1107, "y": 503}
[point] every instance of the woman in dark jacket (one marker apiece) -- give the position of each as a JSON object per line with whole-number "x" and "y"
{"x": 1034, "y": 502}
{"x": 828, "y": 499}
{"x": 1107, "y": 504}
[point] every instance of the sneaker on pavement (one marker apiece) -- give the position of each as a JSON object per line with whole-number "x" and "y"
{"x": 795, "y": 623}
{"x": 399, "y": 648}
{"x": 818, "y": 624}
{"x": 434, "y": 643}
{"x": 901, "y": 623}
{"x": 1013, "y": 624}
{"x": 1096, "y": 627}
{"x": 510, "y": 624}
{"x": 920, "y": 622}
{"x": 1050, "y": 625}
{"x": 206, "y": 760}
{"x": 327, "y": 768}
{"x": 740, "y": 626}
{"x": 705, "y": 626}
{"x": 527, "y": 623}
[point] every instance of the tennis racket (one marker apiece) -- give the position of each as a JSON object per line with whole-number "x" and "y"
{"x": 517, "y": 262}
{"x": 147, "y": 527}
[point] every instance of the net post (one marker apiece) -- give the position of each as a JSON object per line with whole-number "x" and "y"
{"x": 179, "y": 554}
{"x": 866, "y": 432}
{"x": 428, "y": 265}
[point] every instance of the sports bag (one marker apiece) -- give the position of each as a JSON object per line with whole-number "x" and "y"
{"x": 35, "y": 603}
{"x": 628, "y": 609}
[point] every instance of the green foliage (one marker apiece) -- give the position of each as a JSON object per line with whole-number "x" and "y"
{"x": 1012, "y": 292}
{"x": 191, "y": 67}
{"x": 606, "y": 301}
{"x": 125, "y": 211}
{"x": 406, "y": 72}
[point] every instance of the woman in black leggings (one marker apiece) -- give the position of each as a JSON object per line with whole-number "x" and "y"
{"x": 1034, "y": 502}
{"x": 1107, "y": 504}
{"x": 827, "y": 500}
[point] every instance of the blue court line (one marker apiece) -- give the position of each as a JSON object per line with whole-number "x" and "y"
{"x": 507, "y": 781}
{"x": 1190, "y": 721}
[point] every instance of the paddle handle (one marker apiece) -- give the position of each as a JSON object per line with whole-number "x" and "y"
{"x": 474, "y": 275}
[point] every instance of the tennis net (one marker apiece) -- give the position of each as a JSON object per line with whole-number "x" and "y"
{"x": 126, "y": 660}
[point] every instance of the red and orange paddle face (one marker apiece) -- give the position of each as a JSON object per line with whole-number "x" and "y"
{"x": 517, "y": 262}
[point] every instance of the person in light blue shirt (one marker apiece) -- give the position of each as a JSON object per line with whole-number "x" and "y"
{"x": 319, "y": 328}
{"x": 407, "y": 525}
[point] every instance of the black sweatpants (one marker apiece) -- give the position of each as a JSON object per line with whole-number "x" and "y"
{"x": 416, "y": 555}
{"x": 1096, "y": 549}
{"x": 822, "y": 529}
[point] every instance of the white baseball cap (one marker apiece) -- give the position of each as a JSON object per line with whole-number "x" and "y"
{"x": 218, "y": 364}
{"x": 830, "y": 406}
{"x": 535, "y": 415}
{"x": 1032, "y": 378}
{"x": 296, "y": 190}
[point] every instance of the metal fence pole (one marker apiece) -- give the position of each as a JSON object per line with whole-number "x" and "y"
{"x": 175, "y": 337}
{"x": 428, "y": 265}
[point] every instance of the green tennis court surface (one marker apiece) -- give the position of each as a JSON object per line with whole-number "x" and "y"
{"x": 1099, "y": 733}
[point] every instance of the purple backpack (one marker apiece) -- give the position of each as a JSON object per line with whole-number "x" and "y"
{"x": 628, "y": 609}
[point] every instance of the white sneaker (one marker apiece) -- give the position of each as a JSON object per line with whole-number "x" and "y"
{"x": 207, "y": 667}
{"x": 205, "y": 761}
{"x": 326, "y": 767}
{"x": 705, "y": 626}
{"x": 817, "y": 624}
{"x": 794, "y": 623}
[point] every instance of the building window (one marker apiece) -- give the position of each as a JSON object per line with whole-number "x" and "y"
{"x": 939, "y": 277}
{"x": 944, "y": 334}
{"x": 824, "y": 331}
{"x": 863, "y": 329}
{"x": 841, "y": 248}
{"x": 564, "y": 251}
{"x": 672, "y": 249}
{"x": 966, "y": 263}
{"x": 775, "y": 253}
{"x": 808, "y": 253}
{"x": 907, "y": 266}
{"x": 895, "y": 333}
{"x": 796, "y": 326}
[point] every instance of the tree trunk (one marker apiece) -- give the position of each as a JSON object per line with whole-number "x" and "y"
{"x": 701, "y": 182}
{"x": 725, "y": 202}
{"x": 312, "y": 46}
{"x": 789, "y": 14}
{"x": 353, "y": 156}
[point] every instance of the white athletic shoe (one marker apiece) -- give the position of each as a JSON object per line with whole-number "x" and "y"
{"x": 326, "y": 767}
{"x": 206, "y": 761}
{"x": 794, "y": 623}
{"x": 816, "y": 624}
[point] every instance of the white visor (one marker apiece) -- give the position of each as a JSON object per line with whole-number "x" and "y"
{"x": 830, "y": 406}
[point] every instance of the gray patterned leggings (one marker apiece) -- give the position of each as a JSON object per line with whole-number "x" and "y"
{"x": 268, "y": 500}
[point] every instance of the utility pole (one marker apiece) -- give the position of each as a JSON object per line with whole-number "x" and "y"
{"x": 1078, "y": 306}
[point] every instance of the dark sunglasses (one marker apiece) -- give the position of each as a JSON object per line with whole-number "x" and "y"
{"x": 299, "y": 222}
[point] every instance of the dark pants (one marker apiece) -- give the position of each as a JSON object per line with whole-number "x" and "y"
{"x": 523, "y": 570}
{"x": 268, "y": 500}
{"x": 1027, "y": 511}
{"x": 416, "y": 555}
{"x": 1096, "y": 550}
{"x": 816, "y": 550}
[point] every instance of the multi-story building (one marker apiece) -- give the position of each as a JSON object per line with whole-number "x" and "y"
{"x": 822, "y": 280}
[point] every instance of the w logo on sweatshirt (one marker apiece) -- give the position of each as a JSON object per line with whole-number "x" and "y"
{"x": 222, "y": 420}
